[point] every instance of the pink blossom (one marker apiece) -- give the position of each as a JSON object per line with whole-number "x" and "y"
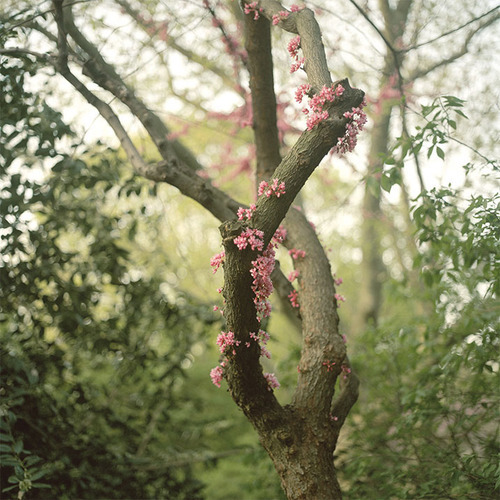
{"x": 272, "y": 381}
{"x": 216, "y": 375}
{"x": 226, "y": 340}
{"x": 348, "y": 141}
{"x": 279, "y": 236}
{"x": 252, "y": 237}
{"x": 301, "y": 91}
{"x": 297, "y": 65}
{"x": 282, "y": 14}
{"x": 277, "y": 188}
{"x": 338, "y": 281}
{"x": 294, "y": 298}
{"x": 316, "y": 103}
{"x": 296, "y": 254}
{"x": 339, "y": 298}
{"x": 296, "y": 8}
{"x": 246, "y": 213}
{"x": 345, "y": 370}
{"x": 293, "y": 46}
{"x": 329, "y": 365}
{"x": 217, "y": 260}
{"x": 315, "y": 118}
{"x": 264, "y": 352}
{"x": 262, "y": 286}
{"x": 253, "y": 7}
{"x": 293, "y": 275}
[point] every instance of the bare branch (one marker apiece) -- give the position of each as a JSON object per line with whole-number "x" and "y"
{"x": 419, "y": 73}
{"x": 450, "y": 32}
{"x": 21, "y": 52}
{"x": 150, "y": 27}
{"x": 104, "y": 109}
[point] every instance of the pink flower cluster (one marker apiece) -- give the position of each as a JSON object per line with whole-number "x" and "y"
{"x": 345, "y": 370}
{"x": 294, "y": 46}
{"x": 296, "y": 254}
{"x": 253, "y": 7}
{"x": 262, "y": 285}
{"x": 315, "y": 112}
{"x": 329, "y": 365}
{"x": 339, "y": 298}
{"x": 294, "y": 298}
{"x": 293, "y": 49}
{"x": 272, "y": 381}
{"x": 252, "y": 237}
{"x": 279, "y": 236}
{"x": 227, "y": 341}
{"x": 301, "y": 91}
{"x": 217, "y": 260}
{"x": 262, "y": 338}
{"x": 277, "y": 188}
{"x": 296, "y": 8}
{"x": 280, "y": 16}
{"x": 262, "y": 267}
{"x": 357, "y": 118}
{"x": 292, "y": 276}
{"x": 227, "y": 344}
{"x": 246, "y": 213}
{"x": 216, "y": 375}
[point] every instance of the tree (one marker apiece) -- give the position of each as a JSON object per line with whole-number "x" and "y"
{"x": 301, "y": 436}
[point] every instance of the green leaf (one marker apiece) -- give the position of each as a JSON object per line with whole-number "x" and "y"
{"x": 386, "y": 183}
{"x": 6, "y": 437}
{"x": 38, "y": 474}
{"x": 10, "y": 488}
{"x": 18, "y": 446}
{"x": 41, "y": 485}
{"x": 440, "y": 152}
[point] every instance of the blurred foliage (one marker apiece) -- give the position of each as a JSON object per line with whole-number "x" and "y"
{"x": 427, "y": 423}
{"x": 104, "y": 391}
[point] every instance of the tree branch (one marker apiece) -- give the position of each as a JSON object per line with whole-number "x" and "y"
{"x": 151, "y": 28}
{"x": 450, "y": 32}
{"x": 323, "y": 350}
{"x": 349, "y": 391}
{"x": 105, "y": 76}
{"x": 260, "y": 66}
{"x": 419, "y": 73}
{"x": 305, "y": 25}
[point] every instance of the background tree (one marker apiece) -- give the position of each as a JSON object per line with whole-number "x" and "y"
{"x": 301, "y": 436}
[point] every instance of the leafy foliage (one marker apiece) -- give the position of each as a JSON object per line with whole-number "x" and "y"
{"x": 92, "y": 351}
{"x": 427, "y": 422}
